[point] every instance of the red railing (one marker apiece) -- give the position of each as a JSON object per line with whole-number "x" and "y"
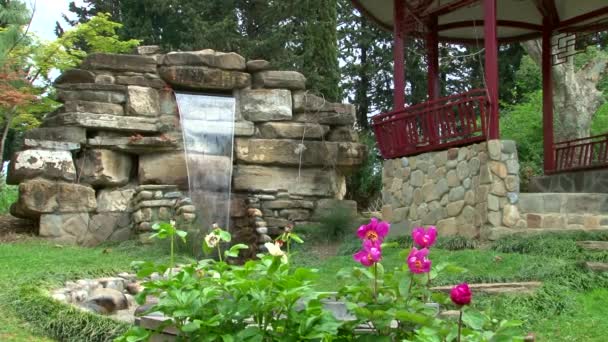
{"x": 448, "y": 121}
{"x": 585, "y": 153}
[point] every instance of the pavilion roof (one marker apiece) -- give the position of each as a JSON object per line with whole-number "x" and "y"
{"x": 518, "y": 20}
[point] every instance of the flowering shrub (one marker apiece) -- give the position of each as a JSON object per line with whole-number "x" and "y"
{"x": 399, "y": 305}
{"x": 267, "y": 300}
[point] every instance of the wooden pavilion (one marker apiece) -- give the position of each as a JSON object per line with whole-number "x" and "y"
{"x": 461, "y": 119}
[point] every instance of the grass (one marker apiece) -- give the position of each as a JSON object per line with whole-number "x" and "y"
{"x": 570, "y": 305}
{"x": 32, "y": 267}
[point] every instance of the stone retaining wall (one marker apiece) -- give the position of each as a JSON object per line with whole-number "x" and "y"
{"x": 463, "y": 191}
{"x": 81, "y": 172}
{"x": 584, "y": 181}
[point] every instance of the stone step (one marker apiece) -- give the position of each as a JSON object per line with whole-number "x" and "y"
{"x": 596, "y": 266}
{"x": 497, "y": 288}
{"x": 564, "y": 203}
{"x": 565, "y": 220}
{"x": 593, "y": 245}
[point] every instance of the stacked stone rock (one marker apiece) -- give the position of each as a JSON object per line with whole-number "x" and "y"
{"x": 463, "y": 191}
{"x": 119, "y": 128}
{"x": 154, "y": 203}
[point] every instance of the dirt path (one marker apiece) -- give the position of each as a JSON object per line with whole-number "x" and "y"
{"x": 15, "y": 229}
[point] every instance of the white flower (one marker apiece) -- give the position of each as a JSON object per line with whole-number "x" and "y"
{"x": 274, "y": 249}
{"x": 212, "y": 240}
{"x": 172, "y": 222}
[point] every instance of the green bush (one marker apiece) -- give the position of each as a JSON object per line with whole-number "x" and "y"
{"x": 332, "y": 227}
{"x": 8, "y": 196}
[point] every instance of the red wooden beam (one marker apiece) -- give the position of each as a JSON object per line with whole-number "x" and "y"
{"x": 584, "y": 17}
{"x": 491, "y": 65}
{"x": 480, "y": 23}
{"x": 447, "y": 8}
{"x": 398, "y": 55}
{"x": 549, "y": 156}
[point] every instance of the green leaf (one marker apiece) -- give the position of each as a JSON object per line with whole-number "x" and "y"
{"x": 225, "y": 236}
{"x": 412, "y": 317}
{"x": 192, "y": 326}
{"x": 405, "y": 286}
{"x": 296, "y": 238}
{"x": 227, "y": 338}
{"x": 474, "y": 319}
{"x": 233, "y": 252}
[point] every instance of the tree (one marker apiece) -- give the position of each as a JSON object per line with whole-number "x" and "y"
{"x": 298, "y": 35}
{"x": 576, "y": 97}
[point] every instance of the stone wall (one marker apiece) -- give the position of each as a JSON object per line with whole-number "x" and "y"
{"x": 463, "y": 191}
{"x": 85, "y": 174}
{"x": 589, "y": 181}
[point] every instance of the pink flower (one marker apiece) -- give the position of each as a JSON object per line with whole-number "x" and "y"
{"x": 424, "y": 238}
{"x": 369, "y": 255}
{"x": 374, "y": 231}
{"x": 461, "y": 294}
{"x": 418, "y": 262}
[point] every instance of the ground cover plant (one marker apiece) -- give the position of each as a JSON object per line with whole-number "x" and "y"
{"x": 269, "y": 300}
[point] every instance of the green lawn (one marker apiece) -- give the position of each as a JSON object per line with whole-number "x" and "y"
{"x": 571, "y": 305}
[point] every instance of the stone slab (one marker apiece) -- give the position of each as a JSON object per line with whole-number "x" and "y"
{"x": 93, "y": 107}
{"x": 208, "y": 57}
{"x": 136, "y": 145}
{"x": 120, "y": 62}
{"x": 50, "y": 145}
{"x": 63, "y": 134}
{"x": 204, "y": 78}
{"x": 104, "y": 122}
{"x": 279, "y": 79}
{"x": 265, "y": 104}
{"x": 497, "y": 288}
{"x": 292, "y": 130}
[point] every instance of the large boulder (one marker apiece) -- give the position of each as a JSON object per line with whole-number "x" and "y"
{"x": 103, "y": 226}
{"x": 163, "y": 168}
{"x": 76, "y": 76}
{"x": 109, "y": 93}
{"x": 40, "y": 196}
{"x": 208, "y": 57}
{"x": 204, "y": 78}
{"x": 30, "y": 164}
{"x": 104, "y": 167}
{"x": 279, "y": 79}
{"x": 104, "y": 122}
{"x": 119, "y": 62}
{"x": 109, "y": 200}
{"x": 142, "y": 101}
{"x": 207, "y": 172}
{"x": 306, "y": 182}
{"x": 108, "y": 299}
{"x": 64, "y": 228}
{"x": 265, "y": 104}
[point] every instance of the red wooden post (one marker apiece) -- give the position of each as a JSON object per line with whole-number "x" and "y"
{"x": 432, "y": 53}
{"x": 549, "y": 156}
{"x": 398, "y": 56}
{"x": 491, "y": 65}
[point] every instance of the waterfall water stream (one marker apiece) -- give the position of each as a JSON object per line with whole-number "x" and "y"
{"x": 207, "y": 124}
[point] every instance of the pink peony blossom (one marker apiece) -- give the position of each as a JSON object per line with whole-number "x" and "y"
{"x": 418, "y": 262}
{"x": 374, "y": 231}
{"x": 461, "y": 294}
{"x": 369, "y": 255}
{"x": 424, "y": 238}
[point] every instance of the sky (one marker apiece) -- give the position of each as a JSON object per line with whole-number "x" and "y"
{"x": 47, "y": 13}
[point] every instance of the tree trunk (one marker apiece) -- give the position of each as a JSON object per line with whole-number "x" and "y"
{"x": 8, "y": 119}
{"x": 575, "y": 94}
